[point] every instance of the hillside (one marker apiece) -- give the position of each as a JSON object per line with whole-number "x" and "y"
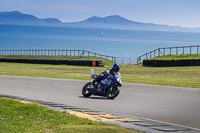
{"x": 110, "y": 22}
{"x": 16, "y": 17}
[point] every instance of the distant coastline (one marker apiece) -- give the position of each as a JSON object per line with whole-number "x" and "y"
{"x": 109, "y": 22}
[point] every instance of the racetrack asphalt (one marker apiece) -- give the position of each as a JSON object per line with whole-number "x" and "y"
{"x": 176, "y": 105}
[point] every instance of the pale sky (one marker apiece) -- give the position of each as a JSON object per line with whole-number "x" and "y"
{"x": 184, "y": 13}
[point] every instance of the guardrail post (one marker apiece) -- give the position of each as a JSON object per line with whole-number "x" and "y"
{"x": 197, "y": 49}
{"x": 150, "y": 54}
{"x": 190, "y": 50}
{"x": 164, "y": 51}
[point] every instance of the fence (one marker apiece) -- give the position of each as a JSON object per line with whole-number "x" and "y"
{"x": 170, "y": 51}
{"x": 126, "y": 60}
{"x": 80, "y": 53}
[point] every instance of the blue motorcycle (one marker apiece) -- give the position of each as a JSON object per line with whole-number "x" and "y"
{"x": 108, "y": 87}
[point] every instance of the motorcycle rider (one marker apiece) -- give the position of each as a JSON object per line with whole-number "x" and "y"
{"x": 111, "y": 71}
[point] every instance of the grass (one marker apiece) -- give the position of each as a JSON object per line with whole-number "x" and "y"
{"x": 178, "y": 57}
{"x": 18, "y": 117}
{"x": 170, "y": 76}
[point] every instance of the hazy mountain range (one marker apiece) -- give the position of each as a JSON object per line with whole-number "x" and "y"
{"x": 111, "y": 22}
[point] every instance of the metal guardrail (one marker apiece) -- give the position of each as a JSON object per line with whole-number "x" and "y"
{"x": 40, "y": 52}
{"x": 169, "y": 51}
{"x": 80, "y": 53}
{"x": 126, "y": 60}
{"x": 120, "y": 60}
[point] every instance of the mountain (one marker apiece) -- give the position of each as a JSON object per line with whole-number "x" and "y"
{"x": 16, "y": 17}
{"x": 110, "y": 22}
{"x": 118, "y": 22}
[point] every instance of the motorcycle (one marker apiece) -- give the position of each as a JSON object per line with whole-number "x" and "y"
{"x": 108, "y": 87}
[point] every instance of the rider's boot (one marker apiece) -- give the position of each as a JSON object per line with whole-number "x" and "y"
{"x": 97, "y": 79}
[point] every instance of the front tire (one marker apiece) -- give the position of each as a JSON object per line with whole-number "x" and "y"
{"x": 87, "y": 89}
{"x": 111, "y": 94}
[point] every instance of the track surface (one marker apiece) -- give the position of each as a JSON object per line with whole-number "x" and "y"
{"x": 175, "y": 105}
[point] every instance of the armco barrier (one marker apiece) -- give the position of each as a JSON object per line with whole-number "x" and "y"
{"x": 99, "y": 63}
{"x": 171, "y": 63}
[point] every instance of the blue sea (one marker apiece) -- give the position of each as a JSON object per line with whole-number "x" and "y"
{"x": 114, "y": 42}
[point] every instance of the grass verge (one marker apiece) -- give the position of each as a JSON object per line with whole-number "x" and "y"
{"x": 170, "y": 76}
{"x": 19, "y": 117}
{"x": 177, "y": 57}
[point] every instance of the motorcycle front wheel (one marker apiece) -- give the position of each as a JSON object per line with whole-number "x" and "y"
{"x": 112, "y": 92}
{"x": 87, "y": 89}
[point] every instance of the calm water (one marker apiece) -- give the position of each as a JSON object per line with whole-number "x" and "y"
{"x": 119, "y": 43}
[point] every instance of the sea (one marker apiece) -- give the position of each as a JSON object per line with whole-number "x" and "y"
{"x": 113, "y": 42}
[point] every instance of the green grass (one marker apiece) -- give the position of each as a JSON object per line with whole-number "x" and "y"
{"x": 178, "y": 57}
{"x": 17, "y": 117}
{"x": 170, "y": 76}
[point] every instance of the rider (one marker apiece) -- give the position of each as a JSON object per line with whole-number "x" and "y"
{"x": 112, "y": 71}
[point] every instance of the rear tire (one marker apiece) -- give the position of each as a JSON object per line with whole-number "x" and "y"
{"x": 113, "y": 94}
{"x": 87, "y": 90}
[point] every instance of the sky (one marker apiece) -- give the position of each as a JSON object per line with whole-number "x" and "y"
{"x": 185, "y": 13}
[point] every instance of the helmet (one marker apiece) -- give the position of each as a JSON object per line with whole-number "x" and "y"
{"x": 116, "y": 67}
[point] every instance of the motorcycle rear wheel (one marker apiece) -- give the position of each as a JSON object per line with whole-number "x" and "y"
{"x": 86, "y": 91}
{"x": 112, "y": 94}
